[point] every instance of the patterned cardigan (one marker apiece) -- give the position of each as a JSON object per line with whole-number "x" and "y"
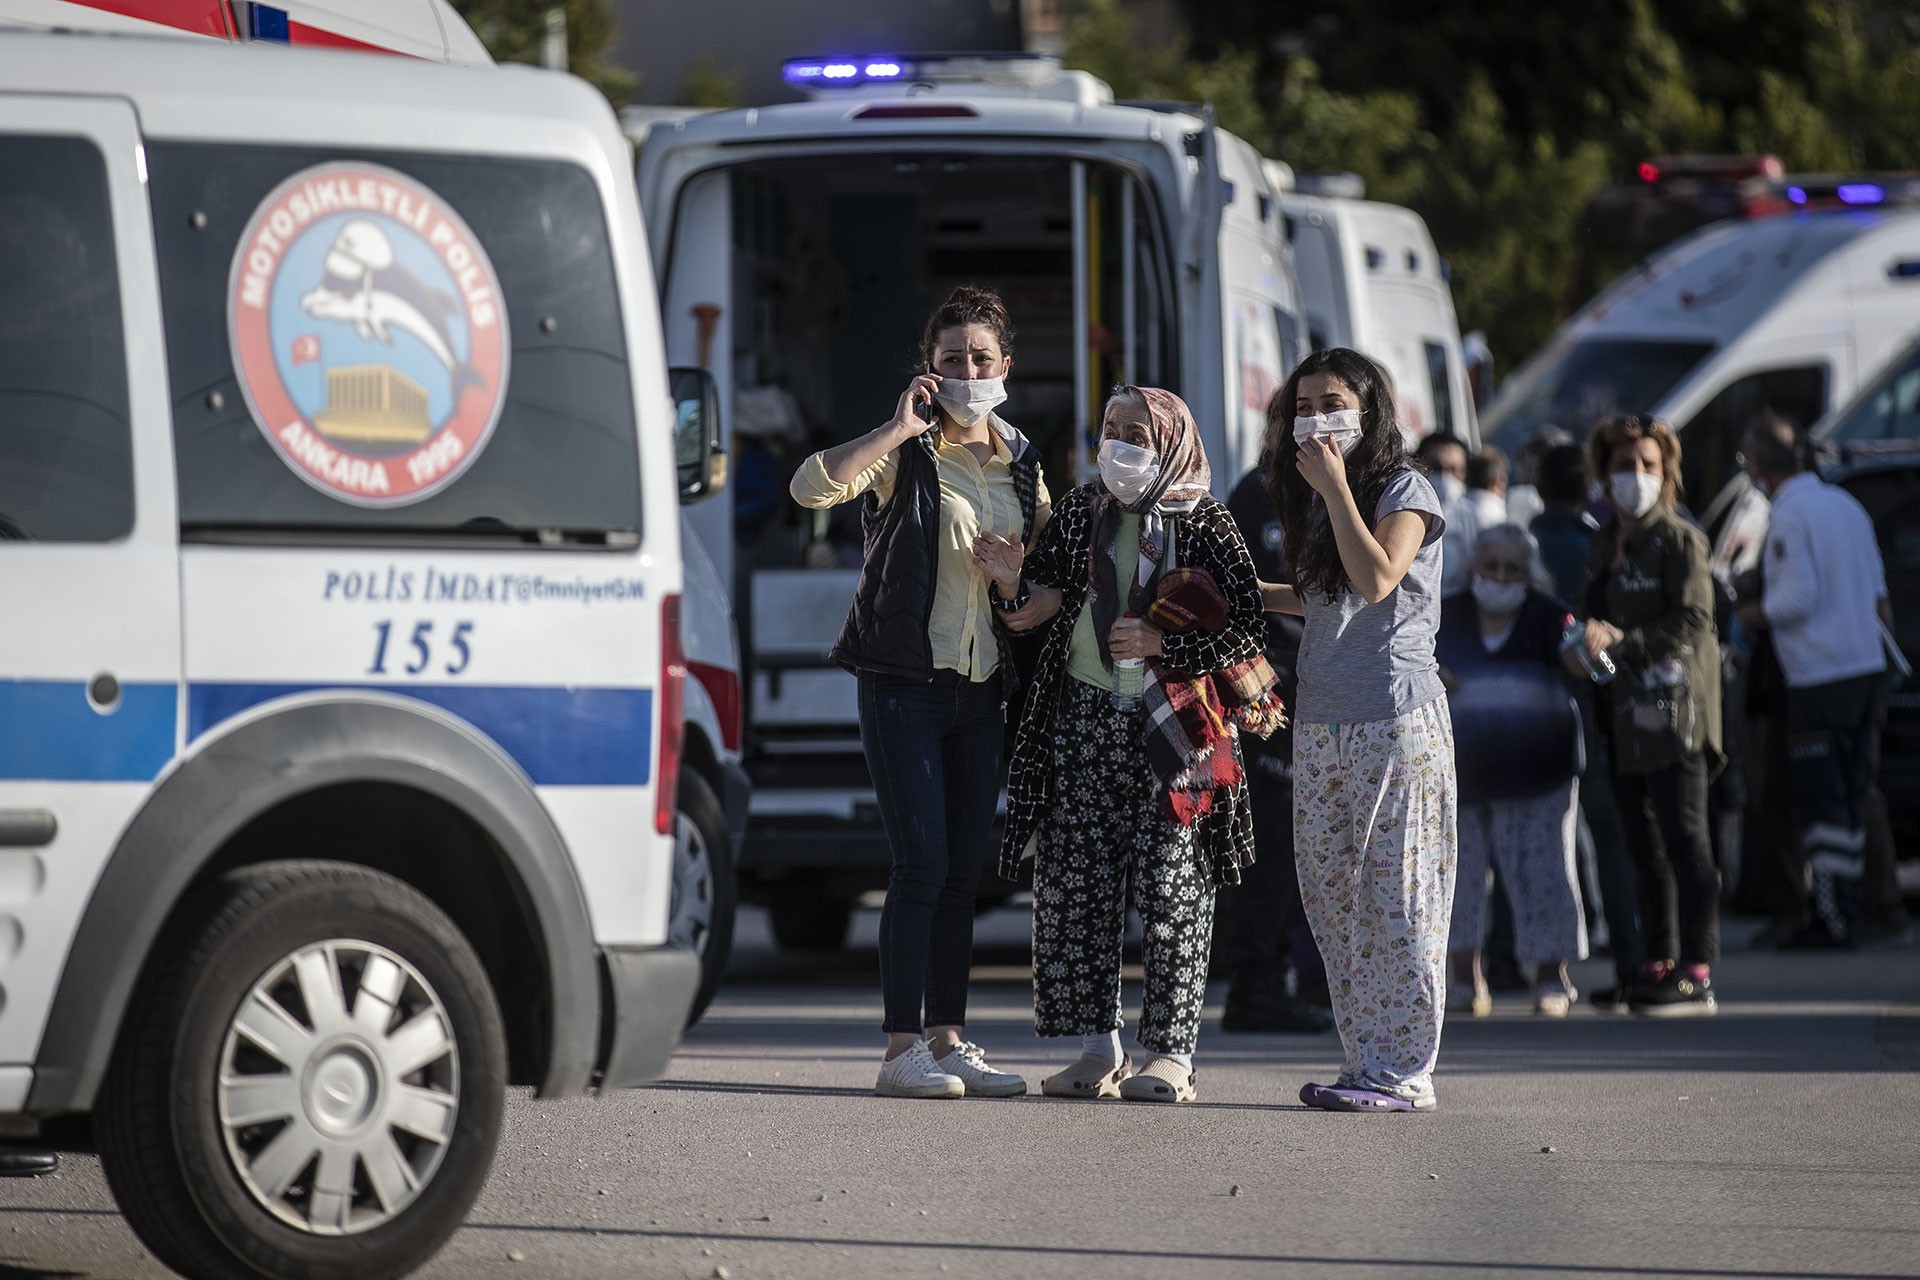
{"x": 1206, "y": 538}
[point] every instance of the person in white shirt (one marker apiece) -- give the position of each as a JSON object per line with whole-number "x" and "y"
{"x": 1825, "y": 599}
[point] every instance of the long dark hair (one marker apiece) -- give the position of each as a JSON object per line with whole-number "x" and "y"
{"x": 1312, "y": 557}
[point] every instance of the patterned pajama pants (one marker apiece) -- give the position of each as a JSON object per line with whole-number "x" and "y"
{"x": 1374, "y": 837}
{"x": 1532, "y": 843}
{"x": 1106, "y": 839}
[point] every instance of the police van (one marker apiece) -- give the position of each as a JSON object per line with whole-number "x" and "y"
{"x": 341, "y": 691}
{"x": 1792, "y": 313}
{"x": 1372, "y": 279}
{"x": 800, "y": 248}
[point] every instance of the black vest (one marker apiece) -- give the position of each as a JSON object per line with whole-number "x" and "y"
{"x": 886, "y": 630}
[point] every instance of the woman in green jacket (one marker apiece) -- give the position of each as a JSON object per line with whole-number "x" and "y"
{"x": 1647, "y": 607}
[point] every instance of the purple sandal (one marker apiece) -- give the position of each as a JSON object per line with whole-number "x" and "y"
{"x": 1360, "y": 1099}
{"x": 1318, "y": 1095}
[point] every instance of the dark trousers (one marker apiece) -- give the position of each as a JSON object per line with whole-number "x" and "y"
{"x": 1263, "y": 923}
{"x": 1663, "y": 825}
{"x": 1612, "y": 865}
{"x": 934, "y": 751}
{"x": 1830, "y": 768}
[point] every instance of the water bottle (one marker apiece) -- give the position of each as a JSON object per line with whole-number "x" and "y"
{"x": 1599, "y": 668}
{"x": 1129, "y": 681}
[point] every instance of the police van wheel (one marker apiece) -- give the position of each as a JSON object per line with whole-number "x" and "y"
{"x": 700, "y": 917}
{"x": 309, "y": 1082}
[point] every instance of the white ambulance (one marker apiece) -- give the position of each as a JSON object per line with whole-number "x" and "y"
{"x": 341, "y": 687}
{"x": 429, "y": 29}
{"x": 1372, "y": 279}
{"x": 1791, "y": 313}
{"x": 801, "y": 247}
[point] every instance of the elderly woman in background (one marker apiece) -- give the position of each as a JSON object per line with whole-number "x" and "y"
{"x": 1518, "y": 758}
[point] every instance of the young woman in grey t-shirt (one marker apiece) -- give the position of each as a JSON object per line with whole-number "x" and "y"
{"x": 1374, "y": 800}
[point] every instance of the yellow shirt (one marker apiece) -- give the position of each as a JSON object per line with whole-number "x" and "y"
{"x": 974, "y": 499}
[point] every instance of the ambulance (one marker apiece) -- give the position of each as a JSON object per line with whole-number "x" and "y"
{"x": 341, "y": 696}
{"x": 1791, "y": 313}
{"x": 429, "y": 29}
{"x": 800, "y": 249}
{"x": 1372, "y": 279}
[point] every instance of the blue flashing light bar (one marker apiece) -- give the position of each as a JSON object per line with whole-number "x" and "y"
{"x": 811, "y": 72}
{"x": 1861, "y": 193}
{"x": 1797, "y": 195}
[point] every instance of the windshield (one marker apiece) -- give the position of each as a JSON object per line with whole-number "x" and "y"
{"x": 1587, "y": 382}
{"x": 1890, "y": 411}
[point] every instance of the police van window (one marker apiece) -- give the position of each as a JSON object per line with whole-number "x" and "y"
{"x": 1442, "y": 387}
{"x": 388, "y": 344}
{"x": 1891, "y": 411}
{"x": 66, "y": 454}
{"x": 1710, "y": 441}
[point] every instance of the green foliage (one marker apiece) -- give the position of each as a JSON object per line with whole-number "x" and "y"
{"x": 1497, "y": 120}
{"x": 707, "y": 85}
{"x": 515, "y": 30}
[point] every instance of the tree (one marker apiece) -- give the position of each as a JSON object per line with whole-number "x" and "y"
{"x": 516, "y": 31}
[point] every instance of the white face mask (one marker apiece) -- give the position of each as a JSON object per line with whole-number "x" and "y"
{"x": 1343, "y": 425}
{"x": 1498, "y": 597}
{"x": 970, "y": 400}
{"x": 1127, "y": 470}
{"x": 1634, "y": 492}
{"x": 1447, "y": 488}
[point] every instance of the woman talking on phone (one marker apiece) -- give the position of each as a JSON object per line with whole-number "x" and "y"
{"x": 1373, "y": 779}
{"x": 942, "y": 473}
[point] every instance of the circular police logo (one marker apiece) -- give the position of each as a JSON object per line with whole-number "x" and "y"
{"x": 369, "y": 333}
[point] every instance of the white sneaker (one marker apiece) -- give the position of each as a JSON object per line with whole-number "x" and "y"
{"x": 913, "y": 1075}
{"x": 969, "y": 1063}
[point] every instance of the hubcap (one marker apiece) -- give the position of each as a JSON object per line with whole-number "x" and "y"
{"x": 690, "y": 908}
{"x": 339, "y": 1086}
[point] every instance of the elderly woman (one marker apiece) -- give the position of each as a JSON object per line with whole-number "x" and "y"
{"x": 1126, "y": 781}
{"x": 1518, "y": 758}
{"x": 1648, "y": 608}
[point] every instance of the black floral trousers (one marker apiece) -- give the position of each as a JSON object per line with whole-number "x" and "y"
{"x": 1105, "y": 841}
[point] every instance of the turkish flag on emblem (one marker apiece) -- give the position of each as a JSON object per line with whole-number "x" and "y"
{"x": 306, "y": 349}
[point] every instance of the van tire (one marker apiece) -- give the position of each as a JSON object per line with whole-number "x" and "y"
{"x": 703, "y": 865}
{"x": 172, "y": 1162}
{"x": 808, "y": 916}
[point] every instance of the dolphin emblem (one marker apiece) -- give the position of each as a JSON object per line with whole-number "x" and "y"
{"x": 365, "y": 287}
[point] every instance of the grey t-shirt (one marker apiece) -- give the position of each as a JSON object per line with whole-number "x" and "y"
{"x": 1362, "y": 662}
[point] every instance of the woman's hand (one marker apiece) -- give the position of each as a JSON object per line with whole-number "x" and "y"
{"x": 1323, "y": 466}
{"x": 1041, "y": 606}
{"x": 1449, "y": 681}
{"x": 1280, "y": 597}
{"x": 1600, "y": 636}
{"x": 1133, "y": 638}
{"x": 1000, "y": 559}
{"x": 906, "y": 417}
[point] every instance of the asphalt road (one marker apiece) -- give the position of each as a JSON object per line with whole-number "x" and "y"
{"x": 1781, "y": 1139}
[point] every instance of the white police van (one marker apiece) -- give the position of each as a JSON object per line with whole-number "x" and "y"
{"x": 800, "y": 248}
{"x": 341, "y": 678}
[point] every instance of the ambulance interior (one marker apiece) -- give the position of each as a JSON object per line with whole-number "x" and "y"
{"x": 835, "y": 263}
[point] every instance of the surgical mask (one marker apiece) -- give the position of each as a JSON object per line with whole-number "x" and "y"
{"x": 1498, "y": 597}
{"x": 1634, "y": 492}
{"x": 970, "y": 400}
{"x": 1343, "y": 425}
{"x": 1448, "y": 489}
{"x": 1127, "y": 470}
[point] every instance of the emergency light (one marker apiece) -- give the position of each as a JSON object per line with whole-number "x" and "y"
{"x": 848, "y": 71}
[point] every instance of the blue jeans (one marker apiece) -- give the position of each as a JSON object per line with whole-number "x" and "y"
{"x": 934, "y": 751}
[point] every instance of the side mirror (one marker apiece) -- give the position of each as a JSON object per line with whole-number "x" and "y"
{"x": 697, "y": 449}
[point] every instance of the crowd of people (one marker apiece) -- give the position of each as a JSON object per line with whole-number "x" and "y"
{"x": 1388, "y": 720}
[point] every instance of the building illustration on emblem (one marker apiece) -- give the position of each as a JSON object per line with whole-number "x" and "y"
{"x": 375, "y": 404}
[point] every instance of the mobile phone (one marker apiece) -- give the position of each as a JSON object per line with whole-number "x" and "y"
{"x": 928, "y": 411}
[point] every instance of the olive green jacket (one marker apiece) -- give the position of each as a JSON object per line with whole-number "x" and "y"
{"x": 1662, "y": 598}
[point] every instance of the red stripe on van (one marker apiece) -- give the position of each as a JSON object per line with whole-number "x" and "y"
{"x": 202, "y": 17}
{"x": 299, "y": 33}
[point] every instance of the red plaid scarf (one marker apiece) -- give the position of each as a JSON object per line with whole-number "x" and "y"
{"x": 1191, "y": 725}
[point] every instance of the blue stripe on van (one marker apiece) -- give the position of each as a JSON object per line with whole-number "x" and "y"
{"x": 49, "y": 732}
{"x": 580, "y": 737}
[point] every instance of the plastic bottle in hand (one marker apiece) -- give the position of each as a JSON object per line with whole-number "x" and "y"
{"x": 1599, "y": 667}
{"x": 1129, "y": 681}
